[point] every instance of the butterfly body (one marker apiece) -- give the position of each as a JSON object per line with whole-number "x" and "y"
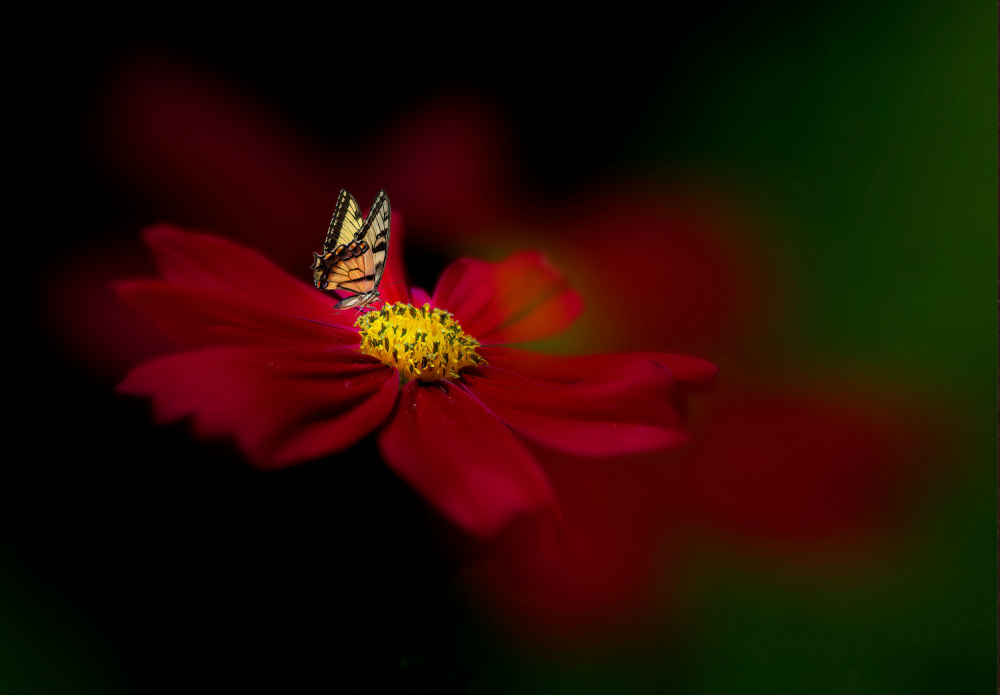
{"x": 354, "y": 252}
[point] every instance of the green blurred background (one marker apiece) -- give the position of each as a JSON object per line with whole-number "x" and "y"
{"x": 861, "y": 136}
{"x": 870, "y": 129}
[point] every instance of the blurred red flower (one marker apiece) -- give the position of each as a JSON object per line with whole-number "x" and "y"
{"x": 809, "y": 481}
{"x": 271, "y": 364}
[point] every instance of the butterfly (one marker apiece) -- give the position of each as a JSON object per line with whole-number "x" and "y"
{"x": 354, "y": 252}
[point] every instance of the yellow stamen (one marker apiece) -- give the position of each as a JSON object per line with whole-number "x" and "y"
{"x": 435, "y": 347}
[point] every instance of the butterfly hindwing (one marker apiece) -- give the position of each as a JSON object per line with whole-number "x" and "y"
{"x": 356, "y": 274}
{"x": 355, "y": 250}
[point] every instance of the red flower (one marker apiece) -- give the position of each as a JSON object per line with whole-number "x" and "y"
{"x": 269, "y": 363}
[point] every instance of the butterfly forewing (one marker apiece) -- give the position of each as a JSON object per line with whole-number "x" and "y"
{"x": 376, "y": 233}
{"x": 346, "y": 224}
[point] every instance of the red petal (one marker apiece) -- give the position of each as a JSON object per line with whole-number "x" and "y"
{"x": 699, "y": 280}
{"x": 683, "y": 367}
{"x": 624, "y": 409}
{"x": 192, "y": 315}
{"x": 569, "y": 370}
{"x": 462, "y": 458}
{"x": 593, "y": 579}
{"x": 215, "y": 263}
{"x": 800, "y": 468}
{"x": 281, "y": 405}
{"x": 521, "y": 298}
{"x": 420, "y": 296}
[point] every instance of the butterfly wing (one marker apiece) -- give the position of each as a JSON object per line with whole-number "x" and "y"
{"x": 343, "y": 263}
{"x": 346, "y": 224}
{"x": 354, "y": 251}
{"x": 376, "y": 233}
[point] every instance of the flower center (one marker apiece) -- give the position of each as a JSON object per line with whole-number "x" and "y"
{"x": 421, "y": 343}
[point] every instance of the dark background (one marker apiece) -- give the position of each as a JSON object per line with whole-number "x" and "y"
{"x": 135, "y": 560}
